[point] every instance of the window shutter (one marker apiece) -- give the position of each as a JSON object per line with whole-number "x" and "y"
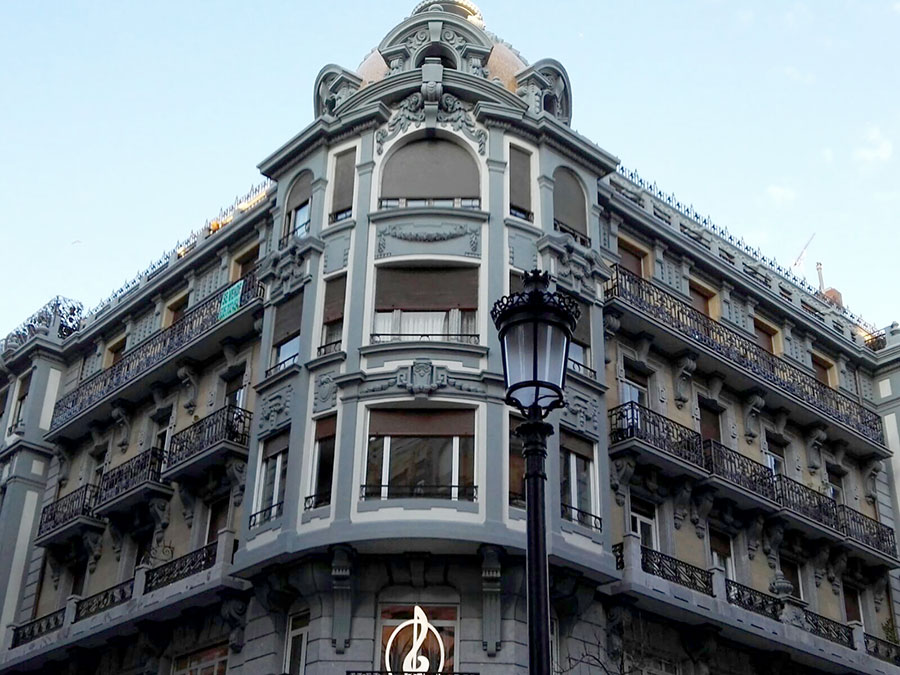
{"x": 631, "y": 261}
{"x": 280, "y": 442}
{"x": 568, "y": 201}
{"x": 430, "y": 168}
{"x": 300, "y": 192}
{"x": 720, "y": 544}
{"x": 335, "y": 292}
{"x": 422, "y": 423}
{"x": 519, "y": 178}
{"x": 344, "y": 176}
{"x": 582, "y": 333}
{"x": 287, "y": 319}
{"x": 576, "y": 444}
{"x": 326, "y": 427}
{"x": 423, "y": 290}
{"x": 207, "y": 282}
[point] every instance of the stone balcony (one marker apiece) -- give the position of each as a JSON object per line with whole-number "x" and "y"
{"x": 196, "y": 335}
{"x": 644, "y": 307}
{"x": 208, "y": 442}
{"x": 69, "y": 518}
{"x": 192, "y": 581}
{"x": 131, "y": 484}
{"x": 653, "y": 439}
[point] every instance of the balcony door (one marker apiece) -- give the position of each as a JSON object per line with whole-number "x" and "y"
{"x": 643, "y": 522}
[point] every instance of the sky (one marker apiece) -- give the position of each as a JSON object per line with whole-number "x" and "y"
{"x": 124, "y": 126}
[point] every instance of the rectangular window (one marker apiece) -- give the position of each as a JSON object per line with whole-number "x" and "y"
{"x": 324, "y": 469}
{"x": 835, "y": 486}
{"x": 246, "y": 263}
{"x": 21, "y": 397}
{"x": 643, "y": 521}
{"x": 634, "y": 387}
{"x": 218, "y": 519}
{"x": 822, "y": 370}
{"x": 721, "y": 552}
{"x": 79, "y": 574}
{"x": 209, "y": 661}
{"x": 426, "y": 304}
{"x": 115, "y": 351}
{"x": 177, "y": 309}
{"x": 333, "y": 314}
{"x": 421, "y": 453}
{"x": 852, "y": 606}
{"x": 274, "y": 469}
{"x": 631, "y": 259}
{"x": 235, "y": 390}
{"x": 295, "y": 652}
{"x": 710, "y": 426}
{"x": 576, "y": 459}
{"x": 699, "y": 299}
{"x": 774, "y": 456}
{"x": 344, "y": 178}
{"x": 520, "y": 183}
{"x": 297, "y": 222}
{"x": 764, "y": 337}
{"x": 516, "y": 465}
{"x": 286, "y": 336}
{"x": 580, "y": 346}
{"x": 442, "y": 617}
{"x": 792, "y": 573}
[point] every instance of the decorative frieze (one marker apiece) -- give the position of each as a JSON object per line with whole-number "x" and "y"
{"x": 275, "y": 409}
{"x": 442, "y": 239}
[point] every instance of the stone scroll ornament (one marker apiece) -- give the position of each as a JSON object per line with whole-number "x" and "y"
{"x": 452, "y": 113}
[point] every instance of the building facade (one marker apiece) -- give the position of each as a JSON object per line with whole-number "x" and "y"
{"x": 285, "y": 443}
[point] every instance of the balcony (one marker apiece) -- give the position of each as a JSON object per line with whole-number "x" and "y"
{"x": 660, "y": 441}
{"x": 875, "y": 539}
{"x": 583, "y": 240}
{"x": 676, "y": 324}
{"x": 806, "y": 509}
{"x": 266, "y": 515}
{"x": 220, "y": 313}
{"x": 132, "y": 483}
{"x": 677, "y": 571}
{"x": 579, "y": 517}
{"x": 753, "y": 600}
{"x": 744, "y": 480}
{"x": 462, "y": 338}
{"x": 181, "y": 568}
{"x": 69, "y": 517}
{"x": 882, "y": 649}
{"x": 468, "y": 493}
{"x": 207, "y": 443}
{"x": 104, "y": 600}
{"x": 31, "y": 631}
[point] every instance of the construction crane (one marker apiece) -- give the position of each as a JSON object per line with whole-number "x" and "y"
{"x": 798, "y": 263}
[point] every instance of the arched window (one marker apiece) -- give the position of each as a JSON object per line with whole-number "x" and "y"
{"x": 437, "y": 50}
{"x": 569, "y": 210}
{"x": 430, "y": 172}
{"x": 296, "y": 208}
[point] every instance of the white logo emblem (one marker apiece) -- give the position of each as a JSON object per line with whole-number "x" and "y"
{"x": 414, "y": 662}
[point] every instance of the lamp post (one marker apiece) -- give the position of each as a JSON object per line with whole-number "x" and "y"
{"x": 535, "y": 328}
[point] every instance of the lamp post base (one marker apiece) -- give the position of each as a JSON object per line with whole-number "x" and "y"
{"x": 534, "y": 433}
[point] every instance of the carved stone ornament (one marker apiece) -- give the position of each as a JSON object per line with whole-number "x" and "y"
{"x": 325, "y": 394}
{"x": 618, "y": 620}
{"x": 190, "y": 383}
{"x": 55, "y": 571}
{"x": 879, "y": 591}
{"x": 700, "y": 644}
{"x": 275, "y": 408}
{"x": 582, "y": 411}
{"x": 870, "y": 479}
{"x": 123, "y": 421}
{"x": 621, "y": 470}
{"x": 815, "y": 440}
{"x": 63, "y": 463}
{"x": 429, "y": 235}
{"x": 701, "y": 504}
{"x": 452, "y": 113}
{"x": 422, "y": 378}
{"x": 234, "y": 613}
{"x": 93, "y": 545}
{"x": 820, "y": 564}
{"x": 681, "y": 502}
{"x": 490, "y": 599}
{"x": 187, "y": 504}
{"x": 753, "y": 406}
{"x": 773, "y": 534}
{"x": 342, "y": 597}
{"x": 836, "y": 567}
{"x": 236, "y": 472}
{"x": 684, "y": 371}
{"x": 780, "y": 585}
{"x": 159, "y": 513}
{"x": 115, "y": 537}
{"x": 611, "y": 324}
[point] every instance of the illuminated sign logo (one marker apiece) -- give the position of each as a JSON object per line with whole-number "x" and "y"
{"x": 415, "y": 662}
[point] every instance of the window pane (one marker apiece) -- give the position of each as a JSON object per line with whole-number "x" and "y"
{"x": 466, "y": 461}
{"x": 295, "y": 664}
{"x": 326, "y": 465}
{"x": 268, "y": 491}
{"x": 418, "y": 465}
{"x": 583, "y": 484}
{"x": 565, "y": 478}
{"x": 374, "y": 458}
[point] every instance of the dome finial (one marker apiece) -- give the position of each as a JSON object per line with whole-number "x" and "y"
{"x": 464, "y": 8}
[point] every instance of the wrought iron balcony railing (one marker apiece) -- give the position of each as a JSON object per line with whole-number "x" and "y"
{"x": 876, "y": 341}
{"x": 868, "y": 531}
{"x": 679, "y": 316}
{"x": 317, "y": 500}
{"x": 632, "y": 420}
{"x": 753, "y": 600}
{"x": 104, "y": 600}
{"x": 464, "y": 338}
{"x": 299, "y": 230}
{"x": 517, "y": 499}
{"x": 31, "y": 631}
{"x": 582, "y": 239}
{"x": 181, "y": 568}
{"x": 140, "y": 469}
{"x": 468, "y": 493}
{"x": 582, "y": 369}
{"x": 435, "y": 202}
{"x": 739, "y": 469}
{"x": 265, "y": 515}
{"x": 828, "y": 628}
{"x": 66, "y": 509}
{"x": 806, "y": 501}
{"x": 618, "y": 551}
{"x": 226, "y": 424}
{"x": 281, "y": 365}
{"x": 584, "y": 518}
{"x": 682, "y": 573}
{"x": 328, "y": 348}
{"x": 158, "y": 348}
{"x": 882, "y": 649}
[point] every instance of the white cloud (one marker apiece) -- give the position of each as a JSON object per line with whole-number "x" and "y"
{"x": 796, "y": 75}
{"x": 877, "y": 147}
{"x": 780, "y": 194}
{"x": 827, "y": 155}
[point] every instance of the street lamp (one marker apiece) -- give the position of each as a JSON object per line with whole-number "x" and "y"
{"x": 535, "y": 328}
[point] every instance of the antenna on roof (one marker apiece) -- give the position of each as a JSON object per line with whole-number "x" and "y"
{"x": 798, "y": 263}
